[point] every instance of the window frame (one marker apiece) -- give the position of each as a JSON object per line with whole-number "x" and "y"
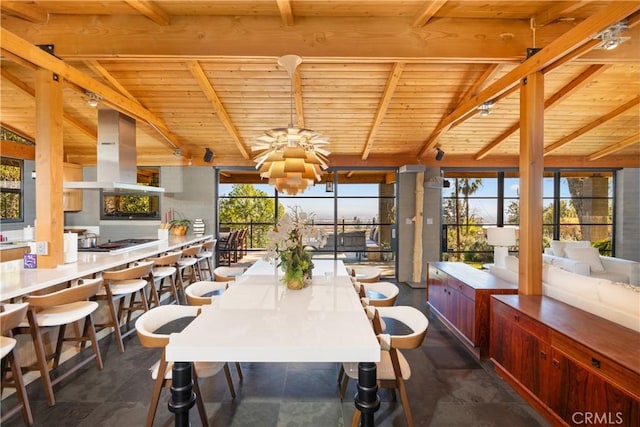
{"x": 18, "y": 191}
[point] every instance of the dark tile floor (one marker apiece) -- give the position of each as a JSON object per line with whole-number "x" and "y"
{"x": 448, "y": 387}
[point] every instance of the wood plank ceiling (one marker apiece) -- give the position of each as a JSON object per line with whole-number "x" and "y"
{"x": 386, "y": 81}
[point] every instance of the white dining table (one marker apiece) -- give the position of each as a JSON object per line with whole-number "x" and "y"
{"x": 258, "y": 319}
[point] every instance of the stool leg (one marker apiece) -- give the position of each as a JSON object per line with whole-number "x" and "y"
{"x": 41, "y": 356}
{"x": 115, "y": 322}
{"x": 90, "y": 331}
{"x": 21, "y": 391}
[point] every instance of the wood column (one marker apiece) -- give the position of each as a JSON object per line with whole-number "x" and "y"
{"x": 417, "y": 232}
{"x": 49, "y": 158}
{"x": 531, "y": 170}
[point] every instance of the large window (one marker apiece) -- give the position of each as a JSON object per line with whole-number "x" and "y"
{"x": 577, "y": 205}
{"x": 583, "y": 208}
{"x": 355, "y": 208}
{"x": 11, "y": 176}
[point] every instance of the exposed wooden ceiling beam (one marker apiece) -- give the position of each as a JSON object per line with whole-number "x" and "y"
{"x": 440, "y": 131}
{"x": 24, "y": 10}
{"x": 33, "y": 54}
{"x": 557, "y": 10}
{"x": 573, "y": 39}
{"x": 14, "y": 80}
{"x": 17, "y": 150}
{"x": 427, "y": 12}
{"x": 17, "y": 131}
{"x": 387, "y": 95}
{"x": 349, "y": 38}
{"x": 101, "y": 71}
{"x": 286, "y": 12}
{"x": 200, "y": 76}
{"x": 491, "y": 70}
{"x": 91, "y": 133}
{"x": 573, "y": 135}
{"x": 151, "y": 10}
{"x": 18, "y": 60}
{"x": 583, "y": 79}
{"x": 630, "y": 140}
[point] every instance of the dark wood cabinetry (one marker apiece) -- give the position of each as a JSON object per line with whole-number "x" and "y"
{"x": 459, "y": 295}
{"x": 575, "y": 368}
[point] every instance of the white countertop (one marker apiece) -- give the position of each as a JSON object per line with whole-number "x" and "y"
{"x": 258, "y": 319}
{"x": 16, "y": 281}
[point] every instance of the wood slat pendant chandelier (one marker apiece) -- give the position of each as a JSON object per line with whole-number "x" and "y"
{"x": 292, "y": 159}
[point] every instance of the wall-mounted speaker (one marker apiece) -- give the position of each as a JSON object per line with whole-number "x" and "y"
{"x": 208, "y": 156}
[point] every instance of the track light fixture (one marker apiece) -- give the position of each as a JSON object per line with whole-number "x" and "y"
{"x": 611, "y": 37}
{"x": 485, "y": 108}
{"x": 439, "y": 154}
{"x": 93, "y": 99}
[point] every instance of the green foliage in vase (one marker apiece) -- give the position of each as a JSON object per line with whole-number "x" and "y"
{"x": 287, "y": 243}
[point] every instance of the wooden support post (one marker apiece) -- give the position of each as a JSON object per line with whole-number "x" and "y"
{"x": 49, "y": 158}
{"x": 531, "y": 170}
{"x": 417, "y": 232}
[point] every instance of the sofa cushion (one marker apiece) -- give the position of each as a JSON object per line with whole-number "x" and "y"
{"x": 590, "y": 255}
{"x": 623, "y": 296}
{"x": 559, "y": 246}
{"x": 611, "y": 275}
{"x": 567, "y": 281}
{"x": 511, "y": 263}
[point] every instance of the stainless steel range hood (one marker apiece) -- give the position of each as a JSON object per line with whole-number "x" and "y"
{"x": 116, "y": 156}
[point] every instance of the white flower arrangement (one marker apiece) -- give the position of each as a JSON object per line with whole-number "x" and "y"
{"x": 288, "y": 240}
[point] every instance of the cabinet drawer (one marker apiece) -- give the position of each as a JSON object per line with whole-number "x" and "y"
{"x": 465, "y": 290}
{"x": 596, "y": 362}
{"x": 523, "y": 321}
{"x": 437, "y": 277}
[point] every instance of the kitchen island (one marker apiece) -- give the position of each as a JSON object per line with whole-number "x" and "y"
{"x": 16, "y": 281}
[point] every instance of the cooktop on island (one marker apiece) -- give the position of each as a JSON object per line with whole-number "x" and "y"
{"x": 120, "y": 245}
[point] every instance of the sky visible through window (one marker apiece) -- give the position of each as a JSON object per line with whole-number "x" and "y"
{"x": 356, "y": 200}
{"x": 360, "y": 200}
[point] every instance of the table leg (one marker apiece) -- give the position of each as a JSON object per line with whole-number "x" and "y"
{"x": 182, "y": 396}
{"x": 367, "y": 400}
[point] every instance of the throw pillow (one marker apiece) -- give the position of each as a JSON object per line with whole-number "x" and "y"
{"x": 589, "y": 255}
{"x": 558, "y": 247}
{"x": 583, "y": 286}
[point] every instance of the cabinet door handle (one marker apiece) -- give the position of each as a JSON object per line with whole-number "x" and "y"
{"x": 516, "y": 317}
{"x": 543, "y": 355}
{"x": 595, "y": 363}
{"x": 555, "y": 363}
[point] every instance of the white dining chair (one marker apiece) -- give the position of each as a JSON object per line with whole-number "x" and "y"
{"x": 161, "y": 371}
{"x": 379, "y": 294}
{"x": 203, "y": 292}
{"x": 393, "y": 369}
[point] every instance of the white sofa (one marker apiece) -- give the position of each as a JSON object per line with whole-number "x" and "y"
{"x": 614, "y": 301}
{"x": 579, "y": 257}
